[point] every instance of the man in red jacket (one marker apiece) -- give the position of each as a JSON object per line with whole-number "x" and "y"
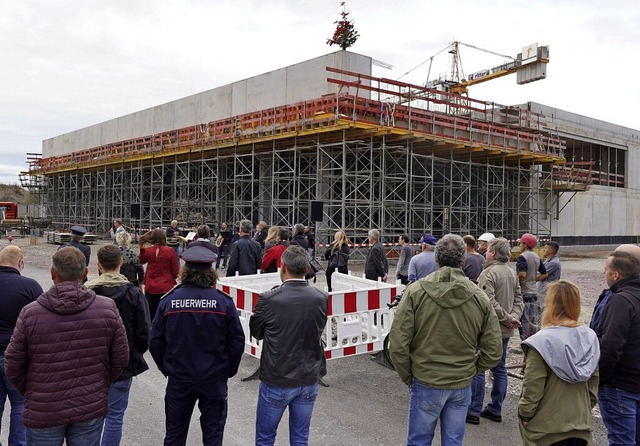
{"x": 67, "y": 348}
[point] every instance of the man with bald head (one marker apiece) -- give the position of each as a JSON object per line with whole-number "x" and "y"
{"x": 616, "y": 321}
{"x": 604, "y": 296}
{"x": 17, "y": 291}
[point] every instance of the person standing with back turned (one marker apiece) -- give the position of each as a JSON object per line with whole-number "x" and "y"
{"x": 289, "y": 320}
{"x": 134, "y": 312}
{"x": 18, "y": 291}
{"x": 406, "y": 253}
{"x": 561, "y": 376}
{"x": 444, "y": 333}
{"x": 66, "y": 399}
{"x": 197, "y": 342}
{"x": 501, "y": 285}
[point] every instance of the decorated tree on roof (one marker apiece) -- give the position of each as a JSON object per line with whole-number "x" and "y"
{"x": 345, "y": 34}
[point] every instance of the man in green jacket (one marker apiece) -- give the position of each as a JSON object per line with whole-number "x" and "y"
{"x": 445, "y": 332}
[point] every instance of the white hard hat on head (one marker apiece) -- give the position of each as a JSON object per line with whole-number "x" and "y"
{"x": 486, "y": 237}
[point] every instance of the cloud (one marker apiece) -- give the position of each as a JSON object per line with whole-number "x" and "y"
{"x": 67, "y": 64}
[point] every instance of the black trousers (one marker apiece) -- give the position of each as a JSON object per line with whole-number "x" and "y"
{"x": 571, "y": 442}
{"x": 153, "y": 300}
{"x": 179, "y": 401}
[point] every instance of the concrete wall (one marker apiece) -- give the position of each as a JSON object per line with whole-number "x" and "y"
{"x": 602, "y": 210}
{"x": 299, "y": 82}
{"x": 589, "y": 129}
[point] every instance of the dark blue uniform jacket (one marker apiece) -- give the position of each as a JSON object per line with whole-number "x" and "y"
{"x": 196, "y": 335}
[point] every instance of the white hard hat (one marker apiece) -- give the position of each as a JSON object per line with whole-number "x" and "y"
{"x": 486, "y": 237}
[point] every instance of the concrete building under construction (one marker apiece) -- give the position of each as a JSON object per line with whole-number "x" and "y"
{"x": 360, "y": 152}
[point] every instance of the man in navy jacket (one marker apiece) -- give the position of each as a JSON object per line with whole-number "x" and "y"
{"x": 17, "y": 291}
{"x": 197, "y": 341}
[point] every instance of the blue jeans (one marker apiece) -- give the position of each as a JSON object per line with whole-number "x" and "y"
{"x": 498, "y": 390}
{"x": 272, "y": 401}
{"x": 621, "y": 415}
{"x": 16, "y": 428}
{"x": 118, "y": 401}
{"x": 530, "y": 316}
{"x": 84, "y": 433}
{"x": 222, "y": 252}
{"x": 427, "y": 405}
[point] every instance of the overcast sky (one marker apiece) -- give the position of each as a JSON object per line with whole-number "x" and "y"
{"x": 69, "y": 64}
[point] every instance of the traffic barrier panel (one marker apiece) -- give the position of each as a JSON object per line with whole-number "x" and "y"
{"x": 358, "y": 315}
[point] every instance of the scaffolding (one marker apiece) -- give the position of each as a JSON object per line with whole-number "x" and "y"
{"x": 385, "y": 157}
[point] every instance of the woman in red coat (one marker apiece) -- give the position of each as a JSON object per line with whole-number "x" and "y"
{"x": 162, "y": 267}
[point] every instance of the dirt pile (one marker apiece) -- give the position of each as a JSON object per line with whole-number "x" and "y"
{"x": 13, "y": 192}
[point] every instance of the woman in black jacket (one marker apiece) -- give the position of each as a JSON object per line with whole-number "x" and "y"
{"x": 338, "y": 256}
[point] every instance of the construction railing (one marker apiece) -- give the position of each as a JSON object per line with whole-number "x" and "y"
{"x": 358, "y": 315}
{"x": 399, "y": 113}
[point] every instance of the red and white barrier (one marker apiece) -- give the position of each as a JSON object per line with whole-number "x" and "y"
{"x": 358, "y": 315}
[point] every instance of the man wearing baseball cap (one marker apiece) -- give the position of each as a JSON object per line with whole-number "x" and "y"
{"x": 424, "y": 263}
{"x": 530, "y": 270}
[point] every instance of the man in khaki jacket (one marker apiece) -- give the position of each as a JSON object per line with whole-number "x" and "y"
{"x": 500, "y": 282}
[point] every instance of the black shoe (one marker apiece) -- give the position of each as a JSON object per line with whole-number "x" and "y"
{"x": 491, "y": 416}
{"x": 472, "y": 419}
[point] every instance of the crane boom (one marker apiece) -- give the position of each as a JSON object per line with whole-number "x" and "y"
{"x": 530, "y": 66}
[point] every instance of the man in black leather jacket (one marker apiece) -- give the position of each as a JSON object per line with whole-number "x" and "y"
{"x": 289, "y": 320}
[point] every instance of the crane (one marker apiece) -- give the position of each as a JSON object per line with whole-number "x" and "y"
{"x": 530, "y": 65}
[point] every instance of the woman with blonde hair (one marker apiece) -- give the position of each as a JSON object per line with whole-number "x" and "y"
{"x": 272, "y": 238}
{"x": 560, "y": 383}
{"x": 338, "y": 256}
{"x": 162, "y": 267}
{"x": 131, "y": 267}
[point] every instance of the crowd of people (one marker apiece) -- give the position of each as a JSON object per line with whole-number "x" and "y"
{"x": 463, "y": 302}
{"x": 448, "y": 331}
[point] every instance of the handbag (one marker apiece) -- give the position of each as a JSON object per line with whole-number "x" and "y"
{"x": 219, "y": 240}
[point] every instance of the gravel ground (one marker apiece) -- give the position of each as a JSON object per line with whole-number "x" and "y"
{"x": 584, "y": 268}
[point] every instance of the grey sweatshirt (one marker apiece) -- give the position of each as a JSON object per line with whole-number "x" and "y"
{"x": 572, "y": 353}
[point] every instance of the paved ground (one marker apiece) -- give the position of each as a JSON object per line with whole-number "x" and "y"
{"x": 366, "y": 404}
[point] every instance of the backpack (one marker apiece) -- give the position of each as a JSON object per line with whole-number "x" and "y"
{"x": 339, "y": 259}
